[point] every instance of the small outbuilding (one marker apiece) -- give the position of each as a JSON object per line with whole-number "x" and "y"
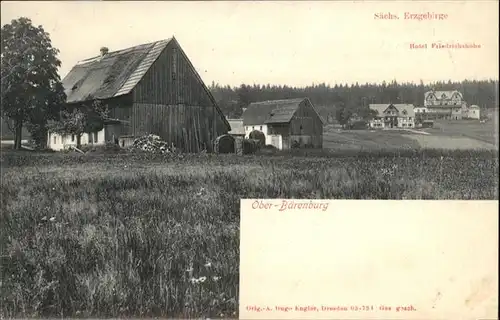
{"x": 285, "y": 123}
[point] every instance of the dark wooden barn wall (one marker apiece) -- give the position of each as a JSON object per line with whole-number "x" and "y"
{"x": 282, "y": 129}
{"x": 307, "y": 123}
{"x": 119, "y": 108}
{"x": 165, "y": 121}
{"x": 170, "y": 101}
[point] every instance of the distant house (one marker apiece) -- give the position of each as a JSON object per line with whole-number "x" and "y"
{"x": 355, "y": 118}
{"x": 356, "y": 122}
{"x": 237, "y": 128}
{"x": 472, "y": 112}
{"x": 149, "y": 89}
{"x": 420, "y": 110}
{"x": 420, "y": 114}
{"x": 393, "y": 116}
{"x": 285, "y": 123}
{"x": 444, "y": 104}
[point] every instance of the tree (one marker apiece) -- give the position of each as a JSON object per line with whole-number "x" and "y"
{"x": 31, "y": 90}
{"x": 482, "y": 93}
{"x": 343, "y": 114}
{"x": 366, "y": 113}
{"x": 77, "y": 120}
{"x": 244, "y": 98}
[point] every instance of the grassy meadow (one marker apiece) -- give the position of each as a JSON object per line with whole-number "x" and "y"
{"x": 133, "y": 234}
{"x": 447, "y": 134}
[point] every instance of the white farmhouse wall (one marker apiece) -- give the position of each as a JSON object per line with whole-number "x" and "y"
{"x": 275, "y": 140}
{"x": 58, "y": 142}
{"x": 262, "y": 128}
{"x": 271, "y": 139}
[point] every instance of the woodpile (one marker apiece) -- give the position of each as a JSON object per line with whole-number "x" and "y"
{"x": 238, "y": 145}
{"x": 152, "y": 143}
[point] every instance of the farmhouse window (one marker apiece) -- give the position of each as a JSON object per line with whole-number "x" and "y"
{"x": 55, "y": 139}
{"x": 260, "y": 128}
{"x": 72, "y": 138}
{"x": 95, "y": 136}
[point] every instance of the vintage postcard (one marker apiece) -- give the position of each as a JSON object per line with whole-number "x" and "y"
{"x": 249, "y": 159}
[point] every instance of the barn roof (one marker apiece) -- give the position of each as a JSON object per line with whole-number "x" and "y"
{"x": 112, "y": 75}
{"x": 381, "y": 107}
{"x": 118, "y": 72}
{"x": 273, "y": 111}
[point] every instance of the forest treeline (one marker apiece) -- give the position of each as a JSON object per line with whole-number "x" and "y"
{"x": 326, "y": 98}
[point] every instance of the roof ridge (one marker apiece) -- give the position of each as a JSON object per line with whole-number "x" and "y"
{"x": 386, "y": 104}
{"x": 127, "y": 60}
{"x": 266, "y": 101}
{"x": 124, "y": 49}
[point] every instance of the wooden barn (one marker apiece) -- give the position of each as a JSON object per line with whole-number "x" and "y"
{"x": 149, "y": 89}
{"x": 285, "y": 123}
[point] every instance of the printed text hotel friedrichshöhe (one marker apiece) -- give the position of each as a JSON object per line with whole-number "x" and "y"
{"x": 423, "y": 18}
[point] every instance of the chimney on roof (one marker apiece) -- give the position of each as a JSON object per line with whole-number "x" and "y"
{"x": 104, "y": 51}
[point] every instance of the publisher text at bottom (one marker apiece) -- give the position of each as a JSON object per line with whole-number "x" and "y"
{"x": 332, "y": 308}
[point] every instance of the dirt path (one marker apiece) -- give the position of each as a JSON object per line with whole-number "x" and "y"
{"x": 417, "y": 131}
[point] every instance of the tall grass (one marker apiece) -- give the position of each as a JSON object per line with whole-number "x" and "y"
{"x": 148, "y": 235}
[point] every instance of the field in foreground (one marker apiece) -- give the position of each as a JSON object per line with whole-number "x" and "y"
{"x": 142, "y": 235}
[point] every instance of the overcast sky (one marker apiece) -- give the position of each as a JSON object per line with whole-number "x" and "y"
{"x": 293, "y": 43}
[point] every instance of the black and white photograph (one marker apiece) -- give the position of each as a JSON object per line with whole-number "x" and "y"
{"x": 130, "y": 131}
